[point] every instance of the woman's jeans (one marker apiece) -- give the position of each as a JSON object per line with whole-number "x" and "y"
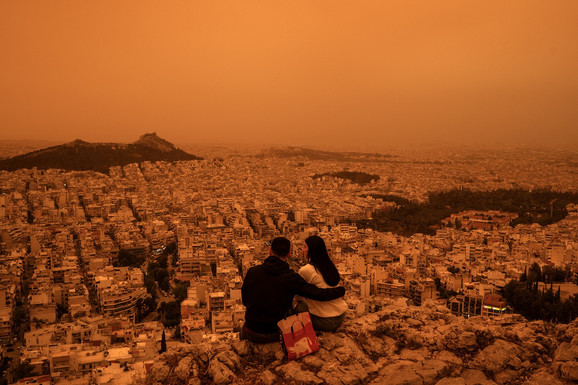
{"x": 322, "y": 324}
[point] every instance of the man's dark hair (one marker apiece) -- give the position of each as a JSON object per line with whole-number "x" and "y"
{"x": 281, "y": 246}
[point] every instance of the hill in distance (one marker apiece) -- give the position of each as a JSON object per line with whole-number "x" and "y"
{"x": 313, "y": 154}
{"x": 81, "y": 156}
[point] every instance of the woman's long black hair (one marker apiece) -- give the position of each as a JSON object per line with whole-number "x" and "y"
{"x": 319, "y": 258}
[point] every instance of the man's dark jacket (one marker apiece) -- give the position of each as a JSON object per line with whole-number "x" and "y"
{"x": 268, "y": 291}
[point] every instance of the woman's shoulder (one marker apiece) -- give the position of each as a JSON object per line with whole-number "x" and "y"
{"x": 308, "y": 268}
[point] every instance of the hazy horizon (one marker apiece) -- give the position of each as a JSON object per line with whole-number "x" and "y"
{"x": 304, "y": 73}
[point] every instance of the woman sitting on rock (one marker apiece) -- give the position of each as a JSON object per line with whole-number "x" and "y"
{"x": 321, "y": 272}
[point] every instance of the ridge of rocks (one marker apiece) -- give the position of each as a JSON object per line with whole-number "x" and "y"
{"x": 400, "y": 345}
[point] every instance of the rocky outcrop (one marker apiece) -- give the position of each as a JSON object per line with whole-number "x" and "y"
{"x": 81, "y": 156}
{"x": 401, "y": 344}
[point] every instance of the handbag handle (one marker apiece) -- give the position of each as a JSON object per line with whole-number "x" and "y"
{"x": 292, "y": 331}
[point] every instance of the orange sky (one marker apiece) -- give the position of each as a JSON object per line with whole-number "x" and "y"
{"x": 296, "y": 72}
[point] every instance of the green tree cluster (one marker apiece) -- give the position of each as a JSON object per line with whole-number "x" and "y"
{"x": 180, "y": 290}
{"x": 158, "y": 274}
{"x": 443, "y": 290}
{"x": 535, "y": 304}
{"x": 453, "y": 269}
{"x": 126, "y": 258}
{"x": 353, "y": 176}
{"x": 171, "y": 312}
{"x": 538, "y": 206}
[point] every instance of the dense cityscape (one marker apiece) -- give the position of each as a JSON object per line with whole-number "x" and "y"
{"x": 101, "y": 272}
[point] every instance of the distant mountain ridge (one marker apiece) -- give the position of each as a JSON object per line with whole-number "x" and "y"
{"x": 313, "y": 154}
{"x": 79, "y": 155}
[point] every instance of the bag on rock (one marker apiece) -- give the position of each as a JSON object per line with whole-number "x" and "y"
{"x": 299, "y": 338}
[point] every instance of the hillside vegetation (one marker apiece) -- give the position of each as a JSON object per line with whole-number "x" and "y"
{"x": 538, "y": 206}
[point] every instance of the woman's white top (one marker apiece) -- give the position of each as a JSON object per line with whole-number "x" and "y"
{"x": 331, "y": 308}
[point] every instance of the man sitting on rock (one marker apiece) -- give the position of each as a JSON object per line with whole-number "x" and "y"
{"x": 268, "y": 291}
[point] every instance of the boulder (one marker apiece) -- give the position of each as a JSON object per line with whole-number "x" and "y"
{"x": 569, "y": 371}
{"x": 159, "y": 372}
{"x": 414, "y": 323}
{"x": 229, "y": 358}
{"x": 467, "y": 340}
{"x": 220, "y": 372}
{"x": 346, "y": 351}
{"x": 399, "y": 373}
{"x": 498, "y": 356}
{"x": 292, "y": 371}
{"x": 476, "y": 377}
{"x": 268, "y": 378}
{"x": 566, "y": 352}
{"x": 451, "y": 381}
{"x": 542, "y": 377}
{"x": 268, "y": 351}
{"x": 343, "y": 375}
{"x": 242, "y": 348}
{"x": 449, "y": 357}
{"x": 313, "y": 361}
{"x": 507, "y": 376}
{"x": 378, "y": 346}
{"x": 187, "y": 368}
{"x": 415, "y": 355}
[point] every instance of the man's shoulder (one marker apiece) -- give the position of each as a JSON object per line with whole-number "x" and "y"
{"x": 254, "y": 269}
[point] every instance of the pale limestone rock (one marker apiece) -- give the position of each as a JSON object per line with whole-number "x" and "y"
{"x": 292, "y": 371}
{"x": 268, "y": 351}
{"x": 419, "y": 355}
{"x": 569, "y": 371}
{"x": 159, "y": 372}
{"x": 329, "y": 341}
{"x": 506, "y": 376}
{"x": 400, "y": 373}
{"x": 566, "y": 352}
{"x": 220, "y": 372}
{"x": 229, "y": 358}
{"x": 268, "y": 378}
{"x": 382, "y": 346}
{"x": 406, "y": 376}
{"x": 223, "y": 365}
{"x": 347, "y": 352}
{"x": 187, "y": 368}
{"x": 203, "y": 351}
{"x": 414, "y": 338}
{"x": 533, "y": 346}
{"x": 451, "y": 381}
{"x": 440, "y": 368}
{"x": 467, "y": 339}
{"x": 498, "y": 356}
{"x": 242, "y": 348}
{"x": 365, "y": 324}
{"x": 343, "y": 375}
{"x": 449, "y": 357}
{"x": 414, "y": 322}
{"x": 313, "y": 361}
{"x": 476, "y": 377}
{"x": 542, "y": 377}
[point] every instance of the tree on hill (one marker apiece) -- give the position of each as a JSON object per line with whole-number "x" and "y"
{"x": 526, "y": 299}
{"x": 163, "y": 343}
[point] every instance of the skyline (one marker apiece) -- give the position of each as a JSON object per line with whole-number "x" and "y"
{"x": 298, "y": 73}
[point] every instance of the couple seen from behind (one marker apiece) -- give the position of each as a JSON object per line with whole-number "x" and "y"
{"x": 269, "y": 289}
